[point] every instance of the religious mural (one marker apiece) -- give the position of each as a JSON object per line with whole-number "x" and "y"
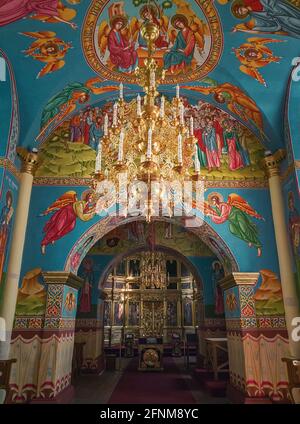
{"x": 268, "y": 296}
{"x": 7, "y": 212}
{"x": 267, "y": 16}
{"x": 237, "y": 212}
{"x": 218, "y": 274}
{"x": 69, "y": 302}
{"x": 85, "y": 296}
{"x": 188, "y": 47}
{"x": 294, "y": 235}
{"x": 137, "y": 234}
{"x": 50, "y": 11}
{"x": 226, "y": 148}
{"x": 48, "y": 49}
{"x": 62, "y": 104}
{"x": 31, "y": 295}
{"x": 254, "y": 55}
{"x": 9, "y": 196}
{"x": 66, "y": 209}
{"x": 236, "y": 100}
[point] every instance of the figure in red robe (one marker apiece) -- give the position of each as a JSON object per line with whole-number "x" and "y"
{"x": 14, "y": 10}
{"x": 219, "y": 133}
{"x": 122, "y": 52}
{"x": 67, "y": 209}
{"x": 85, "y": 299}
{"x": 149, "y": 14}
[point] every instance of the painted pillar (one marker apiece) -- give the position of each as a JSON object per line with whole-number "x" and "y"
{"x": 57, "y": 344}
{"x": 290, "y": 299}
{"x": 255, "y": 344}
{"x": 29, "y": 163}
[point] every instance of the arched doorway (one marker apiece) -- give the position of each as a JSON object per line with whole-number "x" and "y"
{"x": 119, "y": 303}
{"x": 143, "y": 300}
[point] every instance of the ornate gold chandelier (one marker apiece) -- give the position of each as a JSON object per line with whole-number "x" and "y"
{"x": 153, "y": 270}
{"x": 149, "y": 139}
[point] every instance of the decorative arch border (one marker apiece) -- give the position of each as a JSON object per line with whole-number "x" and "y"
{"x": 204, "y": 232}
{"x": 14, "y": 130}
{"x": 88, "y": 45}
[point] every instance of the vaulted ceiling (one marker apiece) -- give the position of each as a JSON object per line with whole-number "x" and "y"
{"x": 242, "y": 48}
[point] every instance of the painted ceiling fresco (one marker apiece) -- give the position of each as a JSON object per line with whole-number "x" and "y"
{"x": 69, "y": 57}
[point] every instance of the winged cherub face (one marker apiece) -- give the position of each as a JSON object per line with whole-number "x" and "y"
{"x": 83, "y": 98}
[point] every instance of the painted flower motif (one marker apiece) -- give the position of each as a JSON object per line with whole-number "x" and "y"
{"x": 231, "y": 302}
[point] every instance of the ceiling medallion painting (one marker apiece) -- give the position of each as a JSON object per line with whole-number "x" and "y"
{"x": 189, "y": 45}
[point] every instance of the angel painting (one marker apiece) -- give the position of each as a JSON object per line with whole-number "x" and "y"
{"x": 42, "y": 10}
{"x": 115, "y": 38}
{"x": 65, "y": 102}
{"x": 237, "y": 212}
{"x": 254, "y": 54}
{"x": 267, "y": 16}
{"x": 181, "y": 54}
{"x": 49, "y": 49}
{"x": 152, "y": 13}
{"x": 236, "y": 100}
{"x": 66, "y": 209}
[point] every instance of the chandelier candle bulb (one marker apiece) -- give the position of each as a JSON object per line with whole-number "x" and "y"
{"x": 115, "y": 115}
{"x": 121, "y": 91}
{"x": 162, "y": 107}
{"x": 149, "y": 148}
{"x": 179, "y": 148}
{"x": 191, "y": 126}
{"x": 139, "y": 106}
{"x": 181, "y": 114}
{"x": 177, "y": 91}
{"x": 121, "y": 144}
{"x": 105, "y": 129}
{"x": 99, "y": 158}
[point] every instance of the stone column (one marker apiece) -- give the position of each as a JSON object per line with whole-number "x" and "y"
{"x": 57, "y": 344}
{"x": 255, "y": 344}
{"x": 7, "y": 308}
{"x": 240, "y": 317}
{"x": 288, "y": 284}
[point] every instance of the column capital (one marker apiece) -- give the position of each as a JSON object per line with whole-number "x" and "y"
{"x": 29, "y": 160}
{"x": 63, "y": 277}
{"x": 271, "y": 163}
{"x": 239, "y": 279}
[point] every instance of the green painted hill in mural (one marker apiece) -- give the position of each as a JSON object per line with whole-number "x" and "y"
{"x": 32, "y": 295}
{"x": 61, "y": 158}
{"x": 268, "y": 298}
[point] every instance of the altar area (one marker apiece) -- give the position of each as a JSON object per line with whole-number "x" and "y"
{"x": 150, "y": 310}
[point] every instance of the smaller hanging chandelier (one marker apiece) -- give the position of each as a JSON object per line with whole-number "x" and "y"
{"x": 153, "y": 270}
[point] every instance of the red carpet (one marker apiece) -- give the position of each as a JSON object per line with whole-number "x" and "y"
{"x": 163, "y": 387}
